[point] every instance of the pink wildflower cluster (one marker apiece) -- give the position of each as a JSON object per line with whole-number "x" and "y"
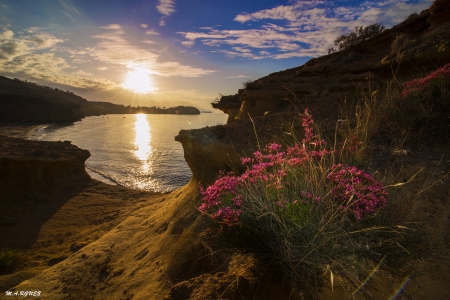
{"x": 225, "y": 199}
{"x": 356, "y": 190}
{"x": 420, "y": 84}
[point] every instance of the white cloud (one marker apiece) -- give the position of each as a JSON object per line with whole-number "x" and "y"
{"x": 302, "y": 29}
{"x": 238, "y": 76}
{"x": 12, "y": 47}
{"x": 166, "y": 7}
{"x": 151, "y": 32}
{"x": 6, "y": 35}
{"x": 113, "y": 48}
{"x": 148, "y": 42}
{"x": 144, "y": 25}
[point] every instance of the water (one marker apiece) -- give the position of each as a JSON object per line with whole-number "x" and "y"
{"x": 137, "y": 151}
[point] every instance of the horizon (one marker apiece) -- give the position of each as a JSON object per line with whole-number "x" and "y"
{"x": 171, "y": 53}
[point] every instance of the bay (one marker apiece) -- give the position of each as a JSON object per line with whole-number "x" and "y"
{"x": 136, "y": 151}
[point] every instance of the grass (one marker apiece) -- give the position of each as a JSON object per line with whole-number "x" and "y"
{"x": 9, "y": 260}
{"x": 312, "y": 206}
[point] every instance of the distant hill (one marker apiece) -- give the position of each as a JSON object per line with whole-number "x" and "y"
{"x": 98, "y": 108}
{"x": 24, "y": 101}
{"x": 18, "y": 108}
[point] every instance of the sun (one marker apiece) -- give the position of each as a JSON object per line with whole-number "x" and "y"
{"x": 139, "y": 81}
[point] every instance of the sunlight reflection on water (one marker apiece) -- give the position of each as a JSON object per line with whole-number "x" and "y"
{"x": 143, "y": 138}
{"x": 144, "y": 151}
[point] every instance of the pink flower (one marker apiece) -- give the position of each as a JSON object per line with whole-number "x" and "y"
{"x": 420, "y": 84}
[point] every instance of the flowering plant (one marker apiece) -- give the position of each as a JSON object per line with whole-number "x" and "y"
{"x": 356, "y": 190}
{"x": 420, "y": 84}
{"x": 285, "y": 180}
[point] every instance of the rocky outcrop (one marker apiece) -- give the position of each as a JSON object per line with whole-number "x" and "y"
{"x": 34, "y": 167}
{"x": 419, "y": 44}
{"x": 206, "y": 155}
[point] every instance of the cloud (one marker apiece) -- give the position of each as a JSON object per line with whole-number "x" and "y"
{"x": 151, "y": 32}
{"x": 12, "y": 47}
{"x": 6, "y": 35}
{"x": 238, "y": 76}
{"x": 166, "y": 7}
{"x": 69, "y": 10}
{"x": 300, "y": 29}
{"x": 144, "y": 25}
{"x": 113, "y": 48}
{"x": 50, "y": 68}
{"x": 148, "y": 42}
{"x": 21, "y": 56}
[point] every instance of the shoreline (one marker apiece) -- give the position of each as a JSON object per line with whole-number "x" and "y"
{"x": 22, "y": 130}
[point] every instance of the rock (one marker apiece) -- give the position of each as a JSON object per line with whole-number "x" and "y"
{"x": 206, "y": 155}
{"x": 77, "y": 246}
{"x": 29, "y": 167}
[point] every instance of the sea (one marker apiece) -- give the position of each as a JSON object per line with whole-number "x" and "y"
{"x": 137, "y": 151}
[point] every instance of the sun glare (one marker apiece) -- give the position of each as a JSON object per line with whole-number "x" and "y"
{"x": 138, "y": 80}
{"x": 143, "y": 138}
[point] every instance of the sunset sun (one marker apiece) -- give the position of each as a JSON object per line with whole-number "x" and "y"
{"x": 138, "y": 80}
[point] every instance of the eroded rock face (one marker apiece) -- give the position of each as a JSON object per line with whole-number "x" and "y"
{"x": 409, "y": 50}
{"x": 33, "y": 167}
{"x": 206, "y": 155}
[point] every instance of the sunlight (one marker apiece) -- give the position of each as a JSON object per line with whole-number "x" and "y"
{"x": 138, "y": 80}
{"x": 143, "y": 138}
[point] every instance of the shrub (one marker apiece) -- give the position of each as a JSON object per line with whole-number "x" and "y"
{"x": 246, "y": 83}
{"x": 421, "y": 111}
{"x": 9, "y": 260}
{"x": 355, "y": 37}
{"x": 300, "y": 208}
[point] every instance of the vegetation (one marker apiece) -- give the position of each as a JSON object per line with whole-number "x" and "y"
{"x": 310, "y": 209}
{"x": 9, "y": 259}
{"x": 246, "y": 83}
{"x": 355, "y": 37}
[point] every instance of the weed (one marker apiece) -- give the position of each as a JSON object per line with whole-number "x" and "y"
{"x": 9, "y": 259}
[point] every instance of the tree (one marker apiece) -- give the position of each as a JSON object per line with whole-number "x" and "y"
{"x": 355, "y": 37}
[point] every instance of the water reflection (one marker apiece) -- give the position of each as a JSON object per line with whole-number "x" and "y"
{"x": 142, "y": 141}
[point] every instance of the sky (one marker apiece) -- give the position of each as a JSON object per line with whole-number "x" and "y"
{"x": 174, "y": 52}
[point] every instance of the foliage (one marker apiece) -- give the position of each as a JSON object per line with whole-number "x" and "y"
{"x": 436, "y": 79}
{"x": 246, "y": 83}
{"x": 299, "y": 206}
{"x": 419, "y": 113}
{"x": 8, "y": 260}
{"x": 360, "y": 34}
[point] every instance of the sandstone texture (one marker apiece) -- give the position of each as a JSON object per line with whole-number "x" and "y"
{"x": 34, "y": 166}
